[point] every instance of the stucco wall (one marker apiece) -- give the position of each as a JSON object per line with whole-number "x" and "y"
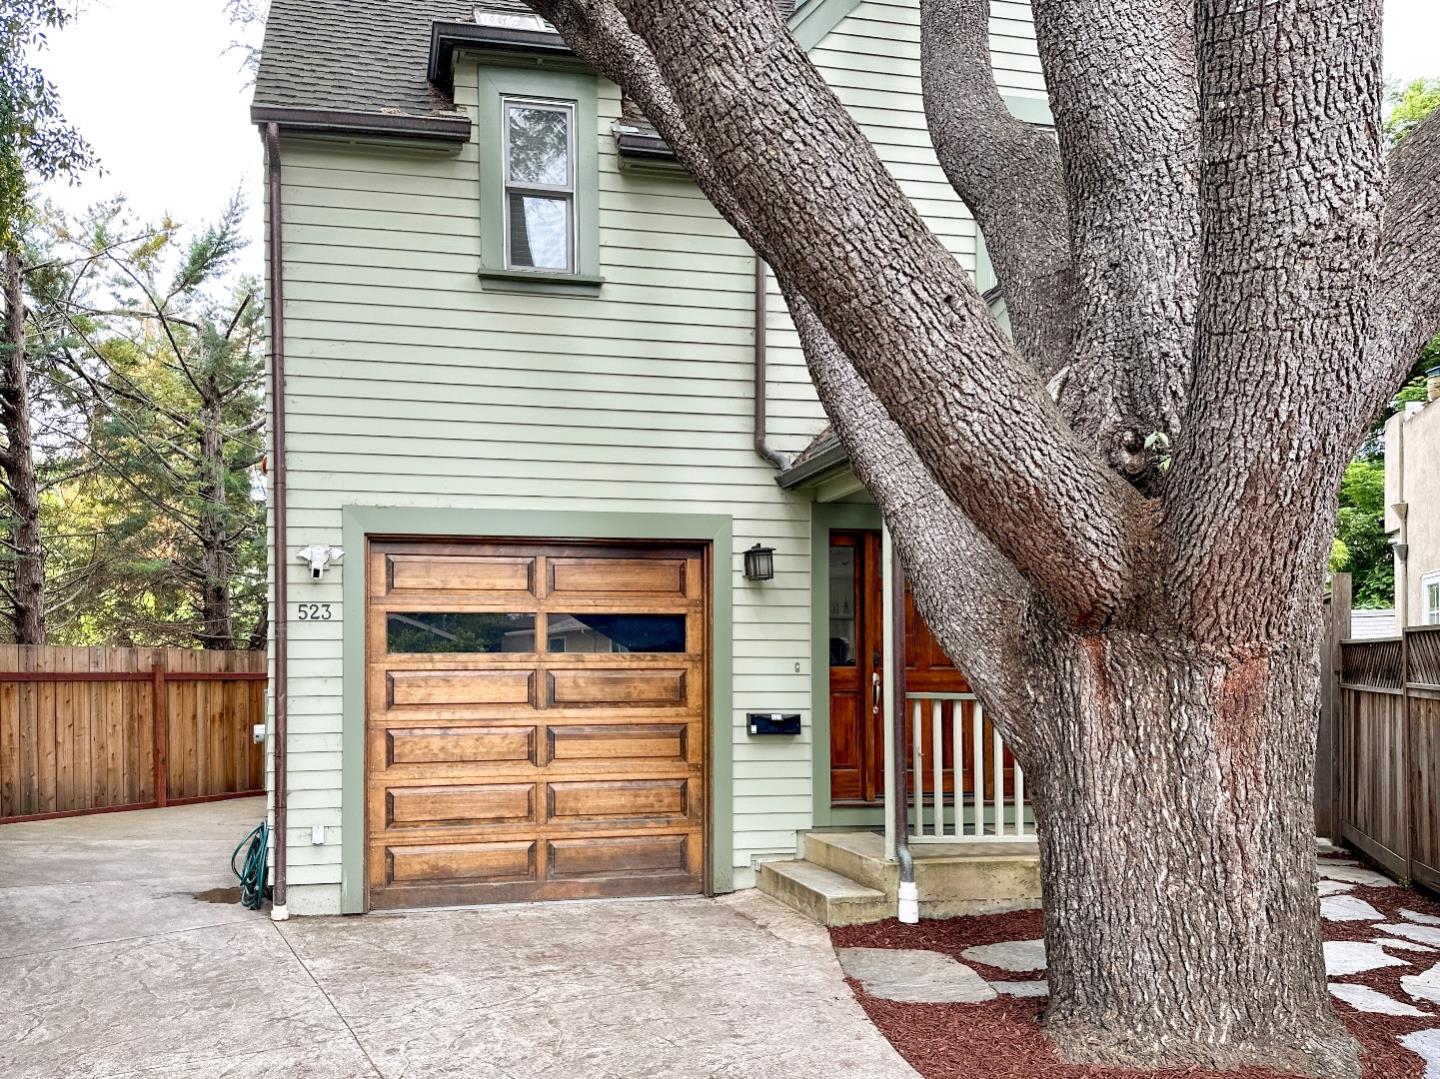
{"x": 1412, "y": 476}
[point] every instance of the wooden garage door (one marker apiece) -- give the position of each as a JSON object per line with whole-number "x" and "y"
{"x": 535, "y": 722}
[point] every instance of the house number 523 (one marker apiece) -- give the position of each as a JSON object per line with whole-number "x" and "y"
{"x": 314, "y": 612}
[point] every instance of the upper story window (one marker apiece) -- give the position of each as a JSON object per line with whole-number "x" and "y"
{"x": 539, "y": 185}
{"x": 1430, "y": 598}
{"x": 539, "y": 170}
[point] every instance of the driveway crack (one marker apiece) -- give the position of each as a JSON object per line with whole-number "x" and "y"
{"x": 330, "y": 1001}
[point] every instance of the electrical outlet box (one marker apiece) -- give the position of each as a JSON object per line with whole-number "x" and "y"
{"x": 257, "y": 734}
{"x": 317, "y": 834}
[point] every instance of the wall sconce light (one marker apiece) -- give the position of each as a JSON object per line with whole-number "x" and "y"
{"x": 759, "y": 563}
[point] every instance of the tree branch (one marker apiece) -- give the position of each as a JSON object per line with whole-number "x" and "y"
{"x": 816, "y": 202}
{"x": 1008, "y": 173}
{"x": 1131, "y": 164}
{"x": 970, "y": 597}
{"x": 1407, "y": 286}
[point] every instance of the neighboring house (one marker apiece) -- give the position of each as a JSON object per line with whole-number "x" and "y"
{"x": 1412, "y": 506}
{"x": 527, "y": 372}
{"x": 1370, "y": 625}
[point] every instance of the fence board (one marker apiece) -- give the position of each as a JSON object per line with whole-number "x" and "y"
{"x": 78, "y": 732}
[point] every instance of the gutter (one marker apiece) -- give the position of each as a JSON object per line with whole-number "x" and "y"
{"x": 445, "y": 129}
{"x": 446, "y": 37}
{"x": 771, "y": 456}
{"x": 813, "y": 467}
{"x": 278, "y": 911}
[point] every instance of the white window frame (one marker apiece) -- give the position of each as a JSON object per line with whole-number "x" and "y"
{"x": 567, "y": 190}
{"x": 1430, "y": 612}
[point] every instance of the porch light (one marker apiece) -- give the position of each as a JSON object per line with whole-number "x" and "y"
{"x": 759, "y": 563}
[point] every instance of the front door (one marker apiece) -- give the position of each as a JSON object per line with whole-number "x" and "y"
{"x": 536, "y": 721}
{"x": 857, "y": 674}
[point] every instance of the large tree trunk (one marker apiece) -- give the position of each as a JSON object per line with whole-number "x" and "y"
{"x": 1177, "y": 849}
{"x": 216, "y": 562}
{"x": 27, "y": 552}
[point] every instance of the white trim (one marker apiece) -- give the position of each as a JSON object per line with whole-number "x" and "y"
{"x": 1430, "y": 600}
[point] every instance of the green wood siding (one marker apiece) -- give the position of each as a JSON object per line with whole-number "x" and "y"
{"x": 411, "y": 386}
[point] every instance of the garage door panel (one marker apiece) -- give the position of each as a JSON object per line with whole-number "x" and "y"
{"x": 501, "y": 576}
{"x": 618, "y": 800}
{"x": 571, "y": 859}
{"x": 457, "y": 862}
{"x": 462, "y": 805}
{"x": 459, "y": 745}
{"x": 619, "y": 743}
{"x": 581, "y": 688}
{"x": 419, "y": 689}
{"x": 659, "y": 577}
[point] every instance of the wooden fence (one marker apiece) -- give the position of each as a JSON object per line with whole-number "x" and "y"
{"x": 1383, "y": 724}
{"x": 89, "y": 730}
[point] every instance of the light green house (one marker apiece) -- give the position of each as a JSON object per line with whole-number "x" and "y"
{"x": 520, "y": 357}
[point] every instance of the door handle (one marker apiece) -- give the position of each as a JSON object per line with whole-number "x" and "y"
{"x": 875, "y": 694}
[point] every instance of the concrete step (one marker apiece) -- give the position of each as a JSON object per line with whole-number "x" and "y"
{"x": 974, "y": 877}
{"x": 823, "y": 895}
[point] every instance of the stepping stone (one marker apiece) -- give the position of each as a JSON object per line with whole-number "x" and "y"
{"x": 1333, "y": 887}
{"x": 1402, "y": 945}
{"x": 1022, "y": 989}
{"x": 1426, "y": 1044}
{"x": 1364, "y": 999}
{"x": 1354, "y": 874}
{"x": 1421, "y": 934}
{"x": 1416, "y": 916}
{"x": 1344, "y": 957}
{"x": 1348, "y": 908}
{"x": 1423, "y": 986}
{"x": 914, "y": 976}
{"x": 1019, "y": 955}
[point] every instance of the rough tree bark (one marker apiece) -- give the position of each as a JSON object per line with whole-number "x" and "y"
{"x": 1214, "y": 254}
{"x": 216, "y": 563}
{"x": 25, "y": 591}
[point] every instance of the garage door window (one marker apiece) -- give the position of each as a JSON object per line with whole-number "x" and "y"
{"x": 590, "y": 632}
{"x": 450, "y": 631}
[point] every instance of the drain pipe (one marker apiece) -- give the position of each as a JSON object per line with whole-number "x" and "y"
{"x": 908, "y": 911}
{"x": 278, "y": 910}
{"x": 777, "y": 460}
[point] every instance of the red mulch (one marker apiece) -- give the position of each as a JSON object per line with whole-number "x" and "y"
{"x": 1003, "y": 1040}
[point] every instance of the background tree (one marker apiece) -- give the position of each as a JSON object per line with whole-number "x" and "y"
{"x": 35, "y": 143}
{"x": 1117, "y": 523}
{"x": 169, "y": 377}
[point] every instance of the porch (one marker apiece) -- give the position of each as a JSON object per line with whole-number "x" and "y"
{"x": 951, "y": 831}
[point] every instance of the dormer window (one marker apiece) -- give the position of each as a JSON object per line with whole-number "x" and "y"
{"x": 539, "y": 185}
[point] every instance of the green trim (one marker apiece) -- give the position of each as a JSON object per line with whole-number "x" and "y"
{"x": 360, "y": 522}
{"x": 1032, "y": 110}
{"x": 826, "y": 517}
{"x": 812, "y": 22}
{"x": 534, "y": 281}
{"x": 493, "y": 83}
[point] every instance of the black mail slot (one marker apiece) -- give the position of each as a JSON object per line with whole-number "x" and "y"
{"x": 773, "y": 722}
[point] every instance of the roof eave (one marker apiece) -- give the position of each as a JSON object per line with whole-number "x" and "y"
{"x": 446, "y": 37}
{"x": 814, "y": 468}
{"x": 347, "y": 122}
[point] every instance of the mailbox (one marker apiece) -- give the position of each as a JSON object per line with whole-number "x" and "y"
{"x": 773, "y": 722}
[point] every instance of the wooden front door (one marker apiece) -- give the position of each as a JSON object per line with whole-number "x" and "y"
{"x": 536, "y": 721}
{"x": 857, "y": 675}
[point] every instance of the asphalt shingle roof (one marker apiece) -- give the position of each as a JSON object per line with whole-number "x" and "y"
{"x": 364, "y": 57}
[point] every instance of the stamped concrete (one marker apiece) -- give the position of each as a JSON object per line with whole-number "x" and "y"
{"x": 914, "y": 976}
{"x": 112, "y": 968}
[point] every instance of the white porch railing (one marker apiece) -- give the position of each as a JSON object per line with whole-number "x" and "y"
{"x": 986, "y": 795}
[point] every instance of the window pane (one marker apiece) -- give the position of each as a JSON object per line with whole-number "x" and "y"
{"x": 539, "y": 232}
{"x": 617, "y": 632}
{"x": 539, "y": 145}
{"x": 842, "y": 606}
{"x": 450, "y": 631}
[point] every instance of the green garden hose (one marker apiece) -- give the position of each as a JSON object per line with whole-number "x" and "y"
{"x": 252, "y": 876}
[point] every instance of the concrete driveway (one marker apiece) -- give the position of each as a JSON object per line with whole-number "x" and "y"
{"x": 110, "y": 966}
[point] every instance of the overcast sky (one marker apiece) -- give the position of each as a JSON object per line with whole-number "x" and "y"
{"x": 148, "y": 82}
